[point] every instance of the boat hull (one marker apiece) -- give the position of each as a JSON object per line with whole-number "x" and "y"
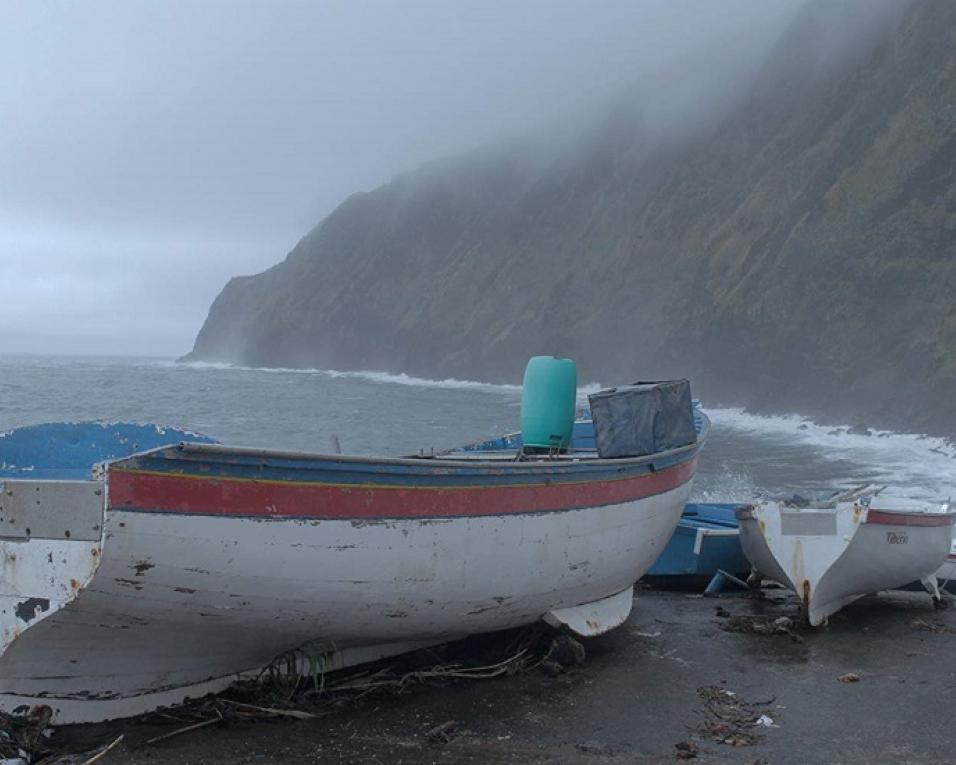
{"x": 833, "y": 556}
{"x": 182, "y": 599}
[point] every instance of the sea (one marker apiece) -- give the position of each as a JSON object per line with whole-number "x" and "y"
{"x": 376, "y": 413}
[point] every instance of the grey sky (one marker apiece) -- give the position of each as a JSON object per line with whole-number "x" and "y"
{"x": 151, "y": 150}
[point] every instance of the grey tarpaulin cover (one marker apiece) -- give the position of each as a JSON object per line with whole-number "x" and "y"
{"x": 643, "y": 418}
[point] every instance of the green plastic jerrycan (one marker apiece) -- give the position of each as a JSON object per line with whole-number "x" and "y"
{"x": 548, "y": 399}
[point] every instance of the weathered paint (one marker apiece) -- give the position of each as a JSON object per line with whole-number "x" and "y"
{"x": 895, "y": 518}
{"x": 187, "y": 594}
{"x": 833, "y": 555}
{"x": 261, "y": 497}
{"x": 69, "y": 450}
{"x": 44, "y": 569}
{"x": 277, "y": 584}
{"x": 35, "y": 509}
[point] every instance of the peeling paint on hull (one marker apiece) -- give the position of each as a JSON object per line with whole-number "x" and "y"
{"x": 262, "y": 596}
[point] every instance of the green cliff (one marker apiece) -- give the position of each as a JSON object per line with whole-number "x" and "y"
{"x": 795, "y": 250}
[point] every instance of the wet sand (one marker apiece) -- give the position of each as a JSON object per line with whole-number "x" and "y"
{"x": 636, "y": 696}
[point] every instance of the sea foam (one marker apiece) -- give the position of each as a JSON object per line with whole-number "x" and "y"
{"x": 921, "y": 466}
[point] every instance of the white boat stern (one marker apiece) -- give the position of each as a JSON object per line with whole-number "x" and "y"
{"x": 833, "y": 554}
{"x": 50, "y": 545}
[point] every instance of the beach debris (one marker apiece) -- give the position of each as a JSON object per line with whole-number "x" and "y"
{"x": 729, "y": 719}
{"x": 282, "y": 692}
{"x": 762, "y": 625}
{"x": 295, "y": 714}
{"x": 921, "y": 624}
{"x": 442, "y": 733}
{"x": 720, "y": 580}
{"x": 685, "y": 750}
{"x": 563, "y": 653}
{"x": 109, "y": 748}
{"x": 81, "y": 758}
{"x": 567, "y": 650}
{"x": 185, "y": 729}
{"x": 850, "y": 677}
{"x": 593, "y": 747}
{"x": 25, "y": 737}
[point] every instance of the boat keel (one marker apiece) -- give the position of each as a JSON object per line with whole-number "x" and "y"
{"x": 595, "y": 618}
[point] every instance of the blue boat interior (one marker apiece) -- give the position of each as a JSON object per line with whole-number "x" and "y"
{"x": 706, "y": 540}
{"x": 582, "y": 439}
{"x": 68, "y": 450}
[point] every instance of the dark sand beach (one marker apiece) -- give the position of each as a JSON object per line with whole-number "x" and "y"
{"x": 638, "y": 694}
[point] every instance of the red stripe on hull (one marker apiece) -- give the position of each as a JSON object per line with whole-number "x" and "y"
{"x": 903, "y": 519}
{"x": 222, "y": 496}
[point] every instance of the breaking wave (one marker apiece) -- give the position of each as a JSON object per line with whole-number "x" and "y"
{"x": 919, "y": 465}
{"x": 385, "y": 378}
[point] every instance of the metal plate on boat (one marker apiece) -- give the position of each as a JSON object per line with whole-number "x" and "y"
{"x": 808, "y": 523}
{"x": 51, "y": 510}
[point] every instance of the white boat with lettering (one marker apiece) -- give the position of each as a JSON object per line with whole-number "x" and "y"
{"x": 857, "y": 543}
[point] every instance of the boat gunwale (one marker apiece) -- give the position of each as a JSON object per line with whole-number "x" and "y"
{"x": 883, "y": 517}
{"x": 187, "y": 451}
{"x": 746, "y": 511}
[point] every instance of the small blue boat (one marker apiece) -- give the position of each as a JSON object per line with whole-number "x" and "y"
{"x": 707, "y": 540}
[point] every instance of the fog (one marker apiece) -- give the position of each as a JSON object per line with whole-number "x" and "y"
{"x": 150, "y": 151}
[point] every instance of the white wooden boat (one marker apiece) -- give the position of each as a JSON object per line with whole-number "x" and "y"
{"x": 834, "y": 552}
{"x": 178, "y": 568}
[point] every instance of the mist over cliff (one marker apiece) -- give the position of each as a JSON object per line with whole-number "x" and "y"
{"x": 780, "y": 227}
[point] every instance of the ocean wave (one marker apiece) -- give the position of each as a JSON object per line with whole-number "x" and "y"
{"x": 921, "y": 465}
{"x": 385, "y": 378}
{"x": 725, "y": 485}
